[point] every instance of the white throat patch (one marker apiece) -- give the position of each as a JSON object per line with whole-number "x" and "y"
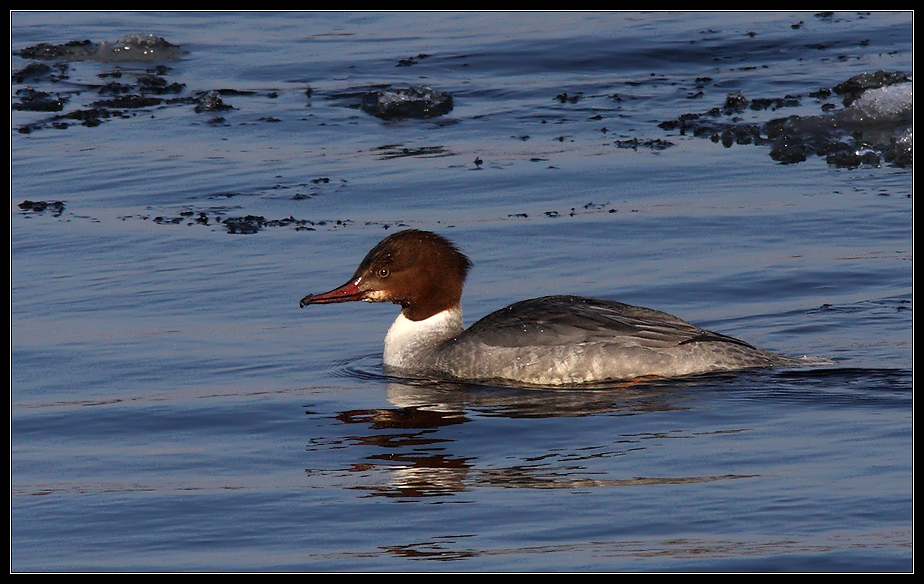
{"x": 409, "y": 343}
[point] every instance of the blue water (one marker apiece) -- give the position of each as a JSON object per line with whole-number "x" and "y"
{"x": 172, "y": 408}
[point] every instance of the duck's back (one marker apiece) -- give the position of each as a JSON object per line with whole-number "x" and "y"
{"x": 556, "y": 340}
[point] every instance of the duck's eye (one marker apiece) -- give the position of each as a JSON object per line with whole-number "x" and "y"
{"x": 383, "y": 272}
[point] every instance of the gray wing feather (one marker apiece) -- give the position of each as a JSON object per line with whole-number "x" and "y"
{"x": 573, "y": 320}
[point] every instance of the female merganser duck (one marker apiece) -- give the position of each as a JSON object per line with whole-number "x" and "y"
{"x": 551, "y": 341}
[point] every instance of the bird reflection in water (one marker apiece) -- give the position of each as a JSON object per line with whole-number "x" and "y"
{"x": 413, "y": 454}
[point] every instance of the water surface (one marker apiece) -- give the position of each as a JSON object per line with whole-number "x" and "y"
{"x": 173, "y": 409}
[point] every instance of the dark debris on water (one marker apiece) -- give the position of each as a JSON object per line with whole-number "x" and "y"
{"x": 794, "y": 139}
{"x": 243, "y": 225}
{"x": 38, "y": 101}
{"x": 125, "y": 90}
{"x": 56, "y": 208}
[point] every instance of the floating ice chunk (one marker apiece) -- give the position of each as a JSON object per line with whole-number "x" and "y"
{"x": 900, "y": 150}
{"x": 138, "y": 48}
{"x": 412, "y": 102}
{"x": 892, "y": 104}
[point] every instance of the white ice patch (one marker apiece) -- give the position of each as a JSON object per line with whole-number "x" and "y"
{"x": 892, "y": 104}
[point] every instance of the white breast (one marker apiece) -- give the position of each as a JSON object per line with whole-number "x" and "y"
{"x": 410, "y": 344}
